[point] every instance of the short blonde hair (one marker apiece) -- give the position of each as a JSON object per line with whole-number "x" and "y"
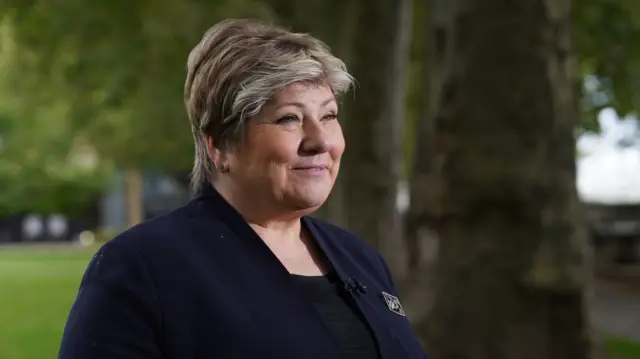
{"x": 236, "y": 68}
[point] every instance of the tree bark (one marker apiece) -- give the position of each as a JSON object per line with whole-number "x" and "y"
{"x": 373, "y": 162}
{"x": 133, "y": 195}
{"x": 337, "y": 207}
{"x": 422, "y": 244}
{"x": 511, "y": 273}
{"x": 417, "y": 216}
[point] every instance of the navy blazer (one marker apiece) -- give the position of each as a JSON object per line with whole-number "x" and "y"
{"x": 198, "y": 282}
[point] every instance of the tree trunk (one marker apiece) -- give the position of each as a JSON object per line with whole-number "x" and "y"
{"x": 511, "y": 273}
{"x": 417, "y": 288}
{"x": 133, "y": 191}
{"x": 373, "y": 162}
{"x": 417, "y": 217}
{"x": 337, "y": 207}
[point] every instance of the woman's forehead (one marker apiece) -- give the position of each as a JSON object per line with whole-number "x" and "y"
{"x": 303, "y": 94}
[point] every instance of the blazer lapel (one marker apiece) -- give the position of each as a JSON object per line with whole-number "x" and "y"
{"x": 370, "y": 303}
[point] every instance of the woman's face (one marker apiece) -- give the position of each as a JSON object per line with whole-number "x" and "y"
{"x": 291, "y": 150}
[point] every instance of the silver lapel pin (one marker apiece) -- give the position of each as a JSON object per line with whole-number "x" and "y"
{"x": 393, "y": 303}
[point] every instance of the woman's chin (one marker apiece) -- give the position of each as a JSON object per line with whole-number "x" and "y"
{"x": 308, "y": 200}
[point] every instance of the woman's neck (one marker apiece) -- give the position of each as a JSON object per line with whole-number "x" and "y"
{"x": 267, "y": 221}
{"x": 281, "y": 231}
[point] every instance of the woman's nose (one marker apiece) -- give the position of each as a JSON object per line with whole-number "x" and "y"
{"x": 315, "y": 139}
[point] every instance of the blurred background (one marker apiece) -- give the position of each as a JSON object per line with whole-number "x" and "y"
{"x": 94, "y": 139}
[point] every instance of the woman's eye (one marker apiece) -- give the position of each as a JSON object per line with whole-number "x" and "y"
{"x": 331, "y": 116}
{"x": 287, "y": 119}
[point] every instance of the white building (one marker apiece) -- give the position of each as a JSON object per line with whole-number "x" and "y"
{"x": 608, "y": 171}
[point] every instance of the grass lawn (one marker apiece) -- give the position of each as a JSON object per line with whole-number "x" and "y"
{"x": 620, "y": 348}
{"x": 38, "y": 286}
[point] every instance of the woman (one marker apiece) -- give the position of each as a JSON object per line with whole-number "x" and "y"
{"x": 242, "y": 271}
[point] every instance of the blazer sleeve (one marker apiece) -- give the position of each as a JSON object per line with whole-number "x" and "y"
{"x": 116, "y": 314}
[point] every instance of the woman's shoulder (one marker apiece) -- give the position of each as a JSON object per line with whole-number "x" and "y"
{"x": 165, "y": 244}
{"x": 158, "y": 229}
{"x": 157, "y": 237}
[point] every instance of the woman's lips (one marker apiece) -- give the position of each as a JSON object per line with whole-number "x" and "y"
{"x": 312, "y": 170}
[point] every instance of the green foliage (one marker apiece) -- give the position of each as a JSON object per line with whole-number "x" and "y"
{"x": 48, "y": 188}
{"x": 101, "y": 80}
{"x": 606, "y": 35}
{"x": 123, "y": 69}
{"x": 45, "y": 165}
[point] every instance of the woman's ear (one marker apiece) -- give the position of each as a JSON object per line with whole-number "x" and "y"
{"x": 216, "y": 156}
{"x": 213, "y": 152}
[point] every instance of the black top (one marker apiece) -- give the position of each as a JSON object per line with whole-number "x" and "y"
{"x": 340, "y": 315}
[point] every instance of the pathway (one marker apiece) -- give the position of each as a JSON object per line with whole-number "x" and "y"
{"x": 616, "y": 304}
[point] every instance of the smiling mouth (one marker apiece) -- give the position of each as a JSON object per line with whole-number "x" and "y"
{"x": 310, "y": 168}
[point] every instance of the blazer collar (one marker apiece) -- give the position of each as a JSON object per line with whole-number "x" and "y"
{"x": 214, "y": 202}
